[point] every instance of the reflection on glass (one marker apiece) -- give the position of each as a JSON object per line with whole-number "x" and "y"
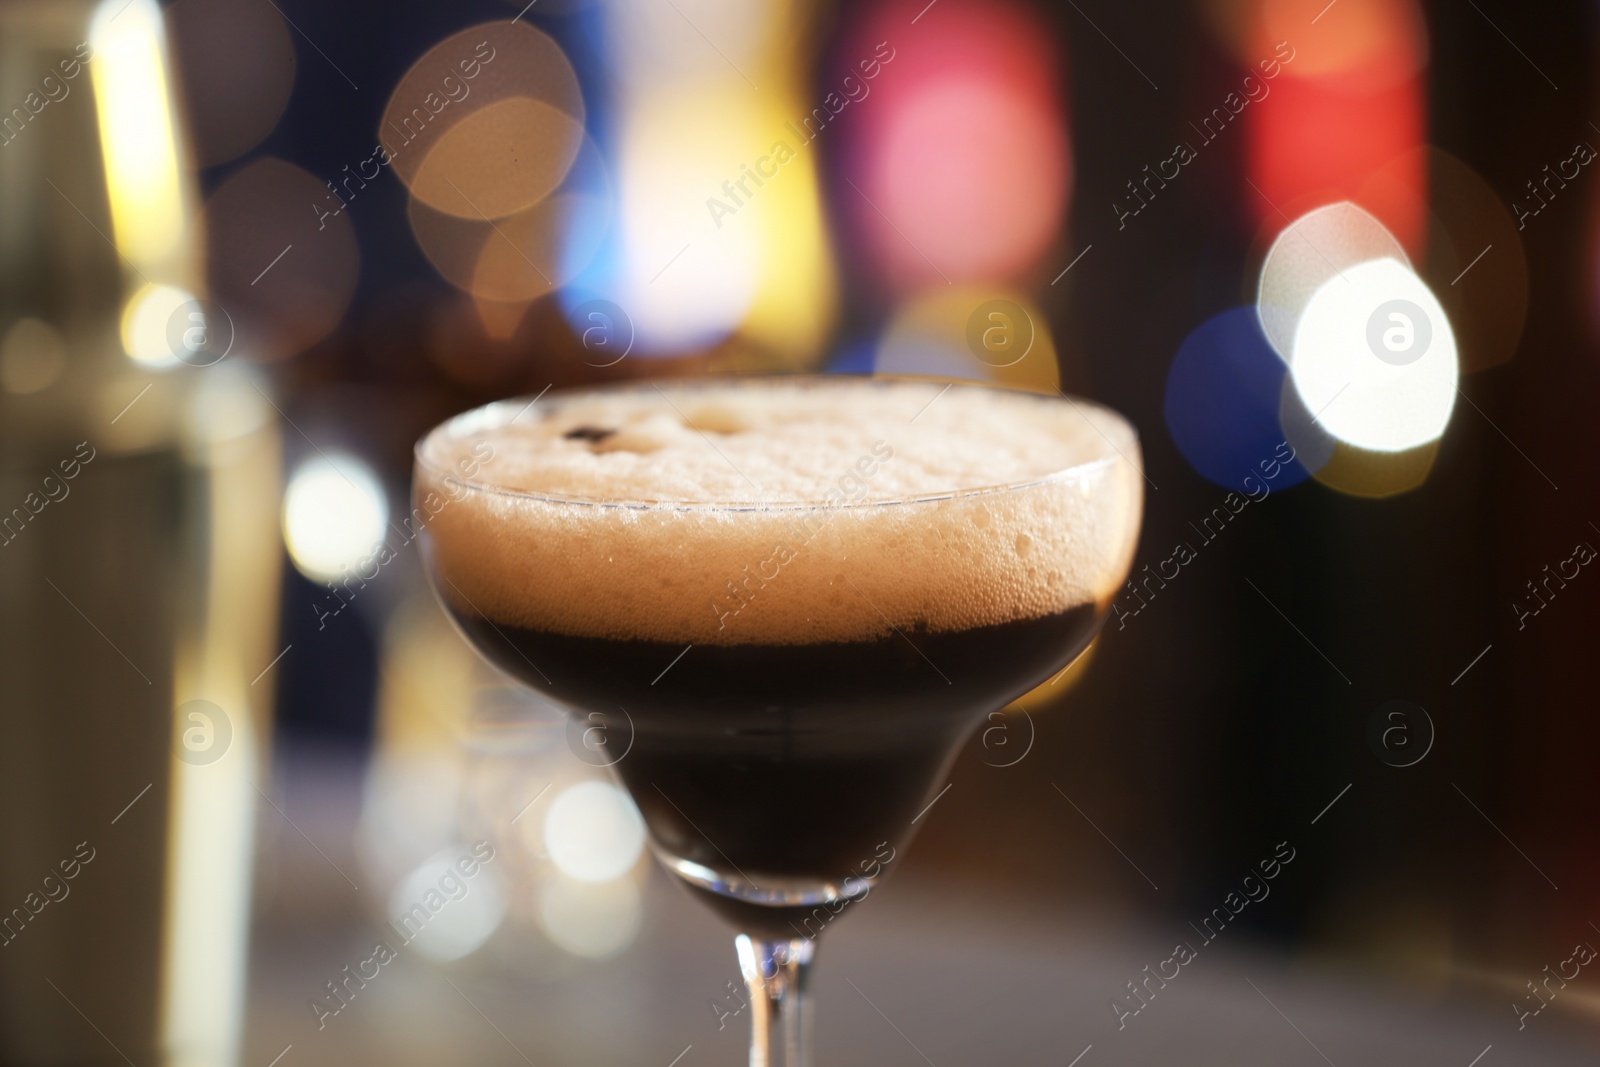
{"x": 220, "y": 718}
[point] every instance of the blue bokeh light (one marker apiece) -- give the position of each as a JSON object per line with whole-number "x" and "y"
{"x": 1223, "y": 394}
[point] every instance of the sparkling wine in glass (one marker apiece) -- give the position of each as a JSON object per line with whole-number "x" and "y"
{"x": 795, "y": 597}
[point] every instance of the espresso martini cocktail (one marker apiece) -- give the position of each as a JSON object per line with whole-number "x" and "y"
{"x": 792, "y": 598}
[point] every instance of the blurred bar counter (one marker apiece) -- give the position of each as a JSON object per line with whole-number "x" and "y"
{"x": 928, "y": 971}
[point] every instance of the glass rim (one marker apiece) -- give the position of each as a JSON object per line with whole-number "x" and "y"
{"x": 492, "y": 416}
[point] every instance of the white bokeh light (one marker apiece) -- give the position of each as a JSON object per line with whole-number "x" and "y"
{"x": 593, "y": 921}
{"x": 145, "y": 325}
{"x": 682, "y": 296}
{"x": 1374, "y": 358}
{"x": 334, "y": 514}
{"x": 593, "y": 832}
{"x": 1310, "y": 252}
{"x": 461, "y": 912}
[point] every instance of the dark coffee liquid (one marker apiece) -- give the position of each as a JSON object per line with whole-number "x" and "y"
{"x": 776, "y": 766}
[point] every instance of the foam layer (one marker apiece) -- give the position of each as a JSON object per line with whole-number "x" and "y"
{"x": 755, "y": 512}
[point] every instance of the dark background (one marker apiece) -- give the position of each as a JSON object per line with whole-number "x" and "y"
{"x": 1209, "y": 729}
{"x": 1234, "y": 713}
{"x": 1231, "y": 720}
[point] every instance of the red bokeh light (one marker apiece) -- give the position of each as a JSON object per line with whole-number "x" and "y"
{"x": 959, "y": 155}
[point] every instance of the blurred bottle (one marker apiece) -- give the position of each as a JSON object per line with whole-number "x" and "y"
{"x": 138, "y": 555}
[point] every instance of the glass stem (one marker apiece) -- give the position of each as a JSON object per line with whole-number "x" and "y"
{"x": 777, "y": 974}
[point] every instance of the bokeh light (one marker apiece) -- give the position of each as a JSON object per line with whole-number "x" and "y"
{"x": 335, "y": 513}
{"x": 528, "y": 254}
{"x": 228, "y": 403}
{"x": 944, "y": 331}
{"x": 1375, "y": 359}
{"x": 499, "y": 159}
{"x": 1370, "y": 352}
{"x": 720, "y": 228}
{"x": 411, "y": 792}
{"x": 541, "y": 248}
{"x": 32, "y": 356}
{"x": 1348, "y": 100}
{"x": 462, "y": 912}
{"x": 593, "y": 921}
{"x": 593, "y": 832}
{"x": 144, "y": 325}
{"x": 238, "y": 67}
{"x": 657, "y": 46}
{"x": 282, "y": 257}
{"x": 1473, "y": 260}
{"x": 1309, "y": 251}
{"x": 1371, "y": 42}
{"x": 485, "y": 124}
{"x": 961, "y": 168}
{"x": 1314, "y": 447}
{"x": 942, "y": 150}
{"x": 1222, "y": 404}
{"x": 1364, "y": 473}
{"x": 686, "y": 282}
{"x": 138, "y": 134}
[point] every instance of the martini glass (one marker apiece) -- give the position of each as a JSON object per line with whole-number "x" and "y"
{"x": 780, "y": 677}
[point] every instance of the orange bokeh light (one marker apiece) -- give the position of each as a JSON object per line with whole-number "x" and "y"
{"x": 523, "y": 256}
{"x": 486, "y": 123}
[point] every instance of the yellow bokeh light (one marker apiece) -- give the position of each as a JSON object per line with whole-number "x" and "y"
{"x": 792, "y": 313}
{"x": 932, "y": 334}
{"x": 137, "y": 138}
{"x": 722, "y": 229}
{"x": 1365, "y": 473}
